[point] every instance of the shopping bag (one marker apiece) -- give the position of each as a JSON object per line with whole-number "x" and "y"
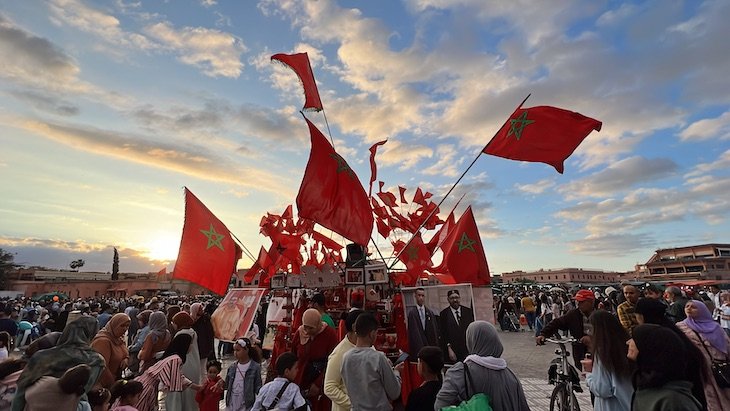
{"x": 478, "y": 402}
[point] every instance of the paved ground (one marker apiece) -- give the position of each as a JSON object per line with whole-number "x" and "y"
{"x": 530, "y": 363}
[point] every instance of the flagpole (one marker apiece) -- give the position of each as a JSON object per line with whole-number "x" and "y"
{"x": 248, "y": 252}
{"x": 450, "y": 190}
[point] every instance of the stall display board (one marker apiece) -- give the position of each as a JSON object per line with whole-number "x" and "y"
{"x": 236, "y": 313}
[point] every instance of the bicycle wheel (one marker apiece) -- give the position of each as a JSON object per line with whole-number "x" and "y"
{"x": 573, "y": 402}
{"x": 559, "y": 398}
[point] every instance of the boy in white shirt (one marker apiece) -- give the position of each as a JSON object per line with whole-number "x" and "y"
{"x": 725, "y": 312}
{"x": 282, "y": 393}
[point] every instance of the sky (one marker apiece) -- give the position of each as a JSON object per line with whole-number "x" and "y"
{"x": 109, "y": 108}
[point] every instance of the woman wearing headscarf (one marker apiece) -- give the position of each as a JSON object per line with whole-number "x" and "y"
{"x": 166, "y": 373}
{"x": 653, "y": 311}
{"x": 157, "y": 340}
{"x": 488, "y": 373}
{"x": 660, "y": 382}
{"x": 204, "y": 329}
{"x": 143, "y": 319}
{"x": 713, "y": 343}
{"x": 610, "y": 377}
{"x": 109, "y": 342}
{"x": 185, "y": 400}
{"x": 71, "y": 350}
{"x": 171, "y": 311}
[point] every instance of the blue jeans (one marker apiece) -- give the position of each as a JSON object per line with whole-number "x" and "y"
{"x": 530, "y": 318}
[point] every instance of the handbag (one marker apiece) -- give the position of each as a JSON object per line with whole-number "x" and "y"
{"x": 476, "y": 402}
{"x": 720, "y": 368}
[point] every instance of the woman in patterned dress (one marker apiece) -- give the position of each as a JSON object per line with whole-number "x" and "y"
{"x": 167, "y": 373}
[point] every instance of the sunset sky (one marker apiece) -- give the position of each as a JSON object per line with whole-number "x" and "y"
{"x": 109, "y": 108}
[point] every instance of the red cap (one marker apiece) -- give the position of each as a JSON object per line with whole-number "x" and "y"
{"x": 584, "y": 295}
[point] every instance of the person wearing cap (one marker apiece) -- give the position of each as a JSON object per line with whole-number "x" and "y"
{"x": 626, "y": 310}
{"x": 422, "y": 327}
{"x": 312, "y": 343}
{"x": 655, "y": 292}
{"x": 576, "y": 323}
{"x": 453, "y": 322}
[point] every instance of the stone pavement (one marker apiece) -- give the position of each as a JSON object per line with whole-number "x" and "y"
{"x": 530, "y": 363}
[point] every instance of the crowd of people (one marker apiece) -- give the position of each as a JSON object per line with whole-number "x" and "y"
{"x": 649, "y": 349}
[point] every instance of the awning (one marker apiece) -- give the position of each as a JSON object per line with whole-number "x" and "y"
{"x": 693, "y": 283}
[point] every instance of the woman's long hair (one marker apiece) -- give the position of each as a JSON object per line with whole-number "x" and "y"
{"x": 609, "y": 343}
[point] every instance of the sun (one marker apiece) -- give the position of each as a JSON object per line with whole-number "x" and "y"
{"x": 163, "y": 248}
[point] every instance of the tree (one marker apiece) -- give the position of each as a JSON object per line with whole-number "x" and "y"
{"x": 76, "y": 264}
{"x": 7, "y": 264}
{"x": 115, "y": 265}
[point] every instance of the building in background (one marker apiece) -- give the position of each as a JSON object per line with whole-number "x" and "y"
{"x": 562, "y": 275}
{"x": 695, "y": 262}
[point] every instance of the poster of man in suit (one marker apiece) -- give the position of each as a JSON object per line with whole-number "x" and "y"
{"x": 439, "y": 326}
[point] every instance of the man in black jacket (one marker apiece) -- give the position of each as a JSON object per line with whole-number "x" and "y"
{"x": 422, "y": 327}
{"x": 576, "y": 322}
{"x": 453, "y": 321}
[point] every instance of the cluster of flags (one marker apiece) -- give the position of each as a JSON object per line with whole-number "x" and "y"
{"x": 332, "y": 196}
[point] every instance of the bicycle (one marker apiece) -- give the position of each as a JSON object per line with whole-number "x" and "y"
{"x": 565, "y": 378}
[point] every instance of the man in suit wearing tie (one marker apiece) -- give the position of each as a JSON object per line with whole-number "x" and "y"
{"x": 454, "y": 320}
{"x": 422, "y": 327}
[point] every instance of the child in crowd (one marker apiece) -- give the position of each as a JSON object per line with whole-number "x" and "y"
{"x": 368, "y": 372}
{"x": 282, "y": 393}
{"x": 99, "y": 399}
{"x": 4, "y": 345}
{"x": 209, "y": 397}
{"x": 243, "y": 377}
{"x": 128, "y": 393}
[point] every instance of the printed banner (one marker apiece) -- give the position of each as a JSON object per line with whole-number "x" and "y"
{"x": 236, "y": 313}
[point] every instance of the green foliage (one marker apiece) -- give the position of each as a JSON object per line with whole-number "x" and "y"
{"x": 7, "y": 264}
{"x": 115, "y": 265}
{"x": 76, "y": 264}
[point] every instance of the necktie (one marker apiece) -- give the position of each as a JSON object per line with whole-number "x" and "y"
{"x": 422, "y": 311}
{"x": 458, "y": 317}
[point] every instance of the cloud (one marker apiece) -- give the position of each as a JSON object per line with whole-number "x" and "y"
{"x": 189, "y": 159}
{"x": 208, "y": 3}
{"x": 611, "y": 244}
{"x": 446, "y": 164}
{"x": 45, "y": 102}
{"x": 536, "y": 188}
{"x": 216, "y": 53}
{"x": 98, "y": 257}
{"x": 35, "y": 61}
{"x": 102, "y": 25}
{"x": 705, "y": 129}
{"x": 405, "y": 155}
{"x": 722, "y": 163}
{"x": 620, "y": 176}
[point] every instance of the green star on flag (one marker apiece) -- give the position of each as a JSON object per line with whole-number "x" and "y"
{"x": 214, "y": 239}
{"x": 412, "y": 251}
{"x": 466, "y": 243}
{"x": 517, "y": 125}
{"x": 342, "y": 165}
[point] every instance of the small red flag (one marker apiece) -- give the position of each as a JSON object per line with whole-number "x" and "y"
{"x": 207, "y": 255}
{"x": 402, "y": 195}
{"x": 464, "y": 257}
{"x": 162, "y": 272}
{"x": 416, "y": 257}
{"x": 332, "y": 195}
{"x": 373, "y": 167}
{"x": 541, "y": 134}
{"x": 440, "y": 236}
{"x": 300, "y": 64}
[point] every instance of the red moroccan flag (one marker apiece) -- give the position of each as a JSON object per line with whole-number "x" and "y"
{"x": 416, "y": 256}
{"x": 440, "y": 236}
{"x": 541, "y": 134}
{"x": 300, "y": 64}
{"x": 207, "y": 255}
{"x": 162, "y": 272}
{"x": 464, "y": 257}
{"x": 402, "y": 195}
{"x": 332, "y": 195}
{"x": 373, "y": 166}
